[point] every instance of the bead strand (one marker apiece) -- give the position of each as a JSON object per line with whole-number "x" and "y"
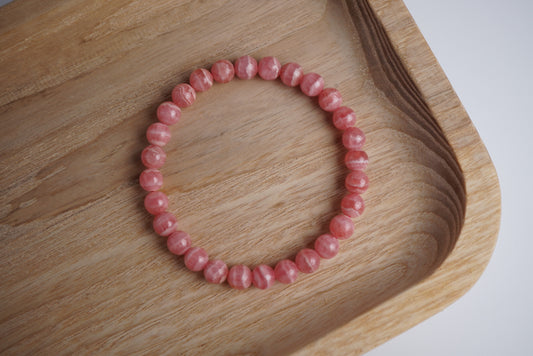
{"x": 153, "y": 157}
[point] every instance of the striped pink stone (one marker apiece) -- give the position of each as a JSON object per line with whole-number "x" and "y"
{"x": 215, "y": 271}
{"x": 307, "y": 260}
{"x": 201, "y": 79}
{"x": 312, "y": 84}
{"x": 153, "y": 157}
{"x": 240, "y": 277}
{"x": 156, "y": 202}
{"x": 356, "y": 160}
{"x": 286, "y": 271}
{"x": 158, "y": 134}
{"x": 165, "y": 223}
{"x": 352, "y": 205}
{"x": 330, "y": 99}
{"x": 151, "y": 180}
{"x": 341, "y": 227}
{"x": 344, "y": 118}
{"x": 183, "y": 95}
{"x": 263, "y": 277}
{"x": 179, "y": 242}
{"x": 222, "y": 71}
{"x": 245, "y": 67}
{"x": 168, "y": 113}
{"x": 291, "y": 74}
{"x": 268, "y": 68}
{"x": 327, "y": 246}
{"x": 356, "y": 182}
{"x": 195, "y": 259}
{"x": 353, "y": 138}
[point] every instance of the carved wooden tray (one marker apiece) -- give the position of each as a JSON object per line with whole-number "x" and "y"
{"x": 254, "y": 173}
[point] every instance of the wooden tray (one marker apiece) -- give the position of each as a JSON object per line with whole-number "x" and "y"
{"x": 254, "y": 174}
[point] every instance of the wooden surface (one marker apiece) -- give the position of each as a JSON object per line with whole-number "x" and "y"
{"x": 254, "y": 173}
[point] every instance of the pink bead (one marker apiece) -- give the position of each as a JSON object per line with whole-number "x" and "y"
{"x": 357, "y": 182}
{"x": 341, "y": 227}
{"x": 179, "y": 242}
{"x": 183, "y": 95}
{"x": 352, "y": 205}
{"x": 222, "y": 71}
{"x": 353, "y": 138}
{"x": 330, "y": 99}
{"x": 151, "y": 180}
{"x": 356, "y": 160}
{"x": 195, "y": 259}
{"x": 153, "y": 157}
{"x": 165, "y": 224}
{"x": 291, "y": 74}
{"x": 215, "y": 271}
{"x": 158, "y": 134}
{"x": 286, "y": 271}
{"x": 240, "y": 277}
{"x": 263, "y": 277}
{"x": 246, "y": 67}
{"x": 156, "y": 202}
{"x": 201, "y": 79}
{"x": 312, "y": 84}
{"x": 168, "y": 113}
{"x": 307, "y": 260}
{"x": 327, "y": 246}
{"x": 343, "y": 118}
{"x": 269, "y": 68}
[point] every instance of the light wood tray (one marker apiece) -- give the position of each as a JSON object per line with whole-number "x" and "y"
{"x": 254, "y": 173}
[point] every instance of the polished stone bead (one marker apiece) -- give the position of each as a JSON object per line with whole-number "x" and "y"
{"x": 330, "y": 99}
{"x": 327, "y": 246}
{"x": 153, "y": 157}
{"x": 195, "y": 259}
{"x": 168, "y": 113}
{"x": 179, "y": 242}
{"x": 158, "y": 134}
{"x": 291, "y": 74}
{"x": 352, "y": 205}
{"x": 215, "y": 271}
{"x": 151, "y": 180}
{"x": 286, "y": 271}
{"x": 165, "y": 223}
{"x": 344, "y": 118}
{"x": 357, "y": 182}
{"x": 240, "y": 277}
{"x": 201, "y": 79}
{"x": 312, "y": 84}
{"x": 222, "y": 71}
{"x": 307, "y": 260}
{"x": 245, "y": 67}
{"x": 183, "y": 95}
{"x": 356, "y": 160}
{"x": 268, "y": 68}
{"x": 263, "y": 277}
{"x": 341, "y": 227}
{"x": 353, "y": 138}
{"x": 156, "y": 202}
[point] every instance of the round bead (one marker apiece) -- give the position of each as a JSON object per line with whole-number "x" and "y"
{"x": 357, "y": 182}
{"x": 341, "y": 227}
{"x": 222, "y": 71}
{"x": 312, "y": 84}
{"x": 156, "y": 202}
{"x": 245, "y": 67}
{"x": 215, "y": 271}
{"x": 286, "y": 271}
{"x": 158, "y": 134}
{"x": 353, "y": 138}
{"x": 179, "y": 242}
{"x": 151, "y": 180}
{"x": 195, "y": 259}
{"x": 330, "y": 99}
{"x": 269, "y": 68}
{"x": 356, "y": 160}
{"x": 168, "y": 113}
{"x": 263, "y": 277}
{"x": 327, "y": 246}
{"x": 343, "y": 118}
{"x": 201, "y": 79}
{"x": 153, "y": 157}
{"x": 165, "y": 224}
{"x": 307, "y": 260}
{"x": 183, "y": 95}
{"x": 240, "y": 277}
{"x": 291, "y": 74}
{"x": 352, "y": 205}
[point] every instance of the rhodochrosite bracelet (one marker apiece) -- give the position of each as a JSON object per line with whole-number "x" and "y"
{"x": 179, "y": 242}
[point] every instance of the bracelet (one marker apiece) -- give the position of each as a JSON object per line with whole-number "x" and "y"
{"x": 153, "y": 157}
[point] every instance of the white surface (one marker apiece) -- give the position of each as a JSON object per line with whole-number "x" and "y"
{"x": 486, "y": 50}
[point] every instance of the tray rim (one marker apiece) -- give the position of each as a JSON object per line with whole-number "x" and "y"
{"x": 434, "y": 293}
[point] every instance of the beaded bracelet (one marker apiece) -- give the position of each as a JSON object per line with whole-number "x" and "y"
{"x": 179, "y": 242}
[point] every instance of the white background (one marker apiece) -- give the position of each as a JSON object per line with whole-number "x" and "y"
{"x": 486, "y": 50}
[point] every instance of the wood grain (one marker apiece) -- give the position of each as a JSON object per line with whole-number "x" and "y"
{"x": 254, "y": 173}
